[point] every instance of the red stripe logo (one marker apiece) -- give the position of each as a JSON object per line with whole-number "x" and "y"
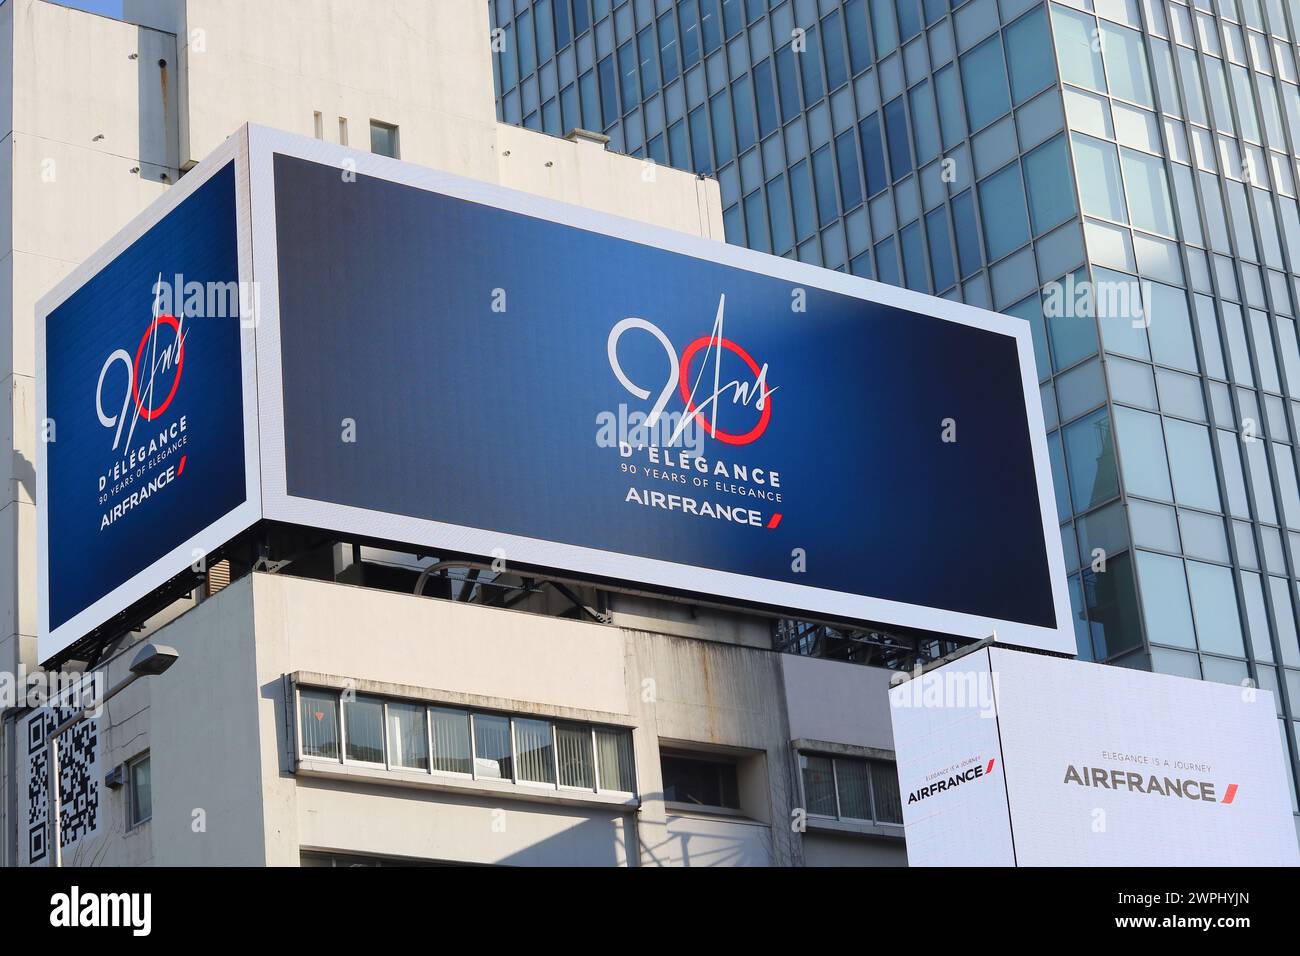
{"x": 774, "y": 521}
{"x": 989, "y": 768}
{"x": 1230, "y": 794}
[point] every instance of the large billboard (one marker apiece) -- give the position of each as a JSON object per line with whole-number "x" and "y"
{"x": 1139, "y": 769}
{"x": 475, "y": 371}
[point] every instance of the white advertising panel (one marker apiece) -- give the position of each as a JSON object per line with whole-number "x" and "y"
{"x": 1099, "y": 766}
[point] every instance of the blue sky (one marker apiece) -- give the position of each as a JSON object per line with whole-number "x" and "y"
{"x": 110, "y": 8}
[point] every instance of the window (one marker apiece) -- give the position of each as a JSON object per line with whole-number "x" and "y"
{"x": 449, "y": 730}
{"x": 414, "y": 736}
{"x": 850, "y": 788}
{"x": 383, "y": 139}
{"x": 407, "y": 737}
{"x": 700, "y": 781}
{"x": 536, "y": 751}
{"x": 139, "y": 792}
{"x": 363, "y": 722}
{"x": 574, "y": 754}
{"x": 1080, "y": 57}
{"x": 984, "y": 76}
{"x": 318, "y": 718}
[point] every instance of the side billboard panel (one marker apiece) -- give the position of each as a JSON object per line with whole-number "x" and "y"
{"x": 1138, "y": 769}
{"x": 950, "y": 775}
{"x": 146, "y": 404}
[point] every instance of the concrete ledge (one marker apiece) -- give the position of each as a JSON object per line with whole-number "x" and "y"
{"x": 352, "y": 773}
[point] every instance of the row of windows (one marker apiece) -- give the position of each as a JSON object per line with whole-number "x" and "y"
{"x": 402, "y": 735}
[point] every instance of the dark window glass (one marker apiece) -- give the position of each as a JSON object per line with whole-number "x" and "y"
{"x": 581, "y": 17}
{"x": 861, "y": 265}
{"x": 765, "y": 97}
{"x": 801, "y": 196}
{"x": 139, "y": 783}
{"x": 846, "y": 152}
{"x": 855, "y": 19}
{"x": 1029, "y": 48}
{"x": 900, "y": 151}
{"x": 967, "y": 233}
{"x": 509, "y": 65}
{"x": 1111, "y": 598}
{"x": 649, "y": 56}
{"x": 724, "y": 145}
{"x": 756, "y": 234}
{"x": 527, "y": 49}
{"x": 627, "y": 82}
{"x": 824, "y": 176}
{"x": 545, "y": 31}
{"x": 551, "y": 117}
{"x": 952, "y": 118}
{"x": 778, "y": 203}
{"x": 668, "y": 47}
{"x": 657, "y": 149}
{"x": 678, "y": 154}
{"x": 909, "y": 19}
{"x": 984, "y": 77}
{"x": 569, "y": 114}
{"x": 733, "y": 17}
{"x": 934, "y": 9}
{"x": 590, "y": 101}
{"x": 710, "y": 25}
{"x": 706, "y": 783}
{"x": 742, "y": 100}
{"x": 873, "y": 154}
{"x": 700, "y": 159}
{"x": 882, "y": 25}
{"x": 563, "y": 25}
{"x": 608, "y": 92}
{"x": 837, "y": 70}
{"x": 787, "y": 83}
{"x": 810, "y": 62}
{"x": 914, "y": 258}
{"x": 936, "y": 231}
{"x": 887, "y": 263}
{"x": 688, "y": 19}
{"x": 884, "y": 787}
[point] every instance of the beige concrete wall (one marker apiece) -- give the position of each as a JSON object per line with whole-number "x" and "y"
{"x": 839, "y": 703}
{"x": 90, "y": 116}
{"x": 423, "y": 67}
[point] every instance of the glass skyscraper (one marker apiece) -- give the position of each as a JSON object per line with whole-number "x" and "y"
{"x": 1121, "y": 174}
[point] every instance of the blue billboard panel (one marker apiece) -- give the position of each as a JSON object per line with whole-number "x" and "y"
{"x": 143, "y": 409}
{"x": 462, "y": 367}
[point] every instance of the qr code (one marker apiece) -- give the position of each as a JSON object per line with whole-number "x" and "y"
{"x": 79, "y": 783}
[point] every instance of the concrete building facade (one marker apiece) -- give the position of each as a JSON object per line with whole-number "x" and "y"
{"x": 339, "y": 703}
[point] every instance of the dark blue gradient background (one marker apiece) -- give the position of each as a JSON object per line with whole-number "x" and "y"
{"x": 112, "y": 311}
{"x": 488, "y": 420}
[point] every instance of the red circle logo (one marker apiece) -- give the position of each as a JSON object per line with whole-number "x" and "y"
{"x": 150, "y": 414}
{"x": 687, "y": 355}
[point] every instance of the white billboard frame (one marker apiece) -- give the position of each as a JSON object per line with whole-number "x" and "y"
{"x": 253, "y": 148}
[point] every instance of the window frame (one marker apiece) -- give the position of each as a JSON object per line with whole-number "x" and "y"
{"x": 871, "y": 763}
{"x": 471, "y": 714}
{"x": 131, "y": 788}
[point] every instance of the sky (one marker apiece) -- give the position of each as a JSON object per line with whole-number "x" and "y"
{"x": 109, "y": 8}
